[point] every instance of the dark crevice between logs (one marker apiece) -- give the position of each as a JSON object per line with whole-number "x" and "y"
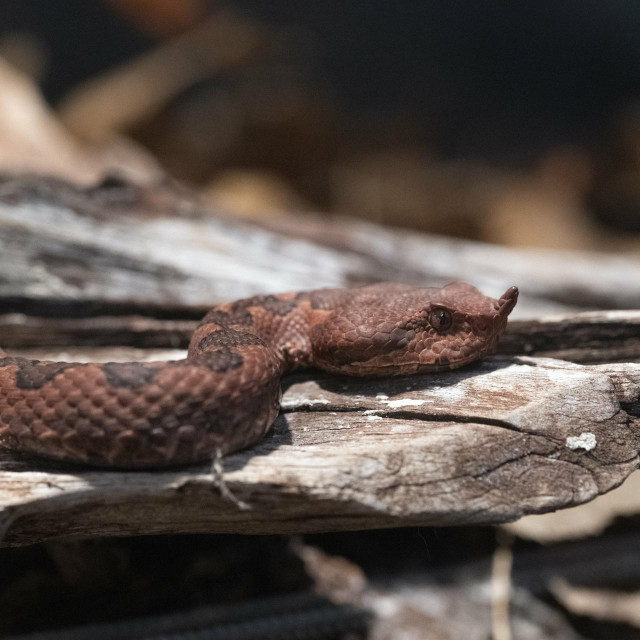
{"x": 58, "y": 308}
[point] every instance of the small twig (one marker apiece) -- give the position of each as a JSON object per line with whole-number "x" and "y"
{"x": 217, "y": 473}
{"x": 500, "y": 590}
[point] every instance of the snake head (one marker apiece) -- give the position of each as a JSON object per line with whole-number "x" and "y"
{"x": 395, "y": 329}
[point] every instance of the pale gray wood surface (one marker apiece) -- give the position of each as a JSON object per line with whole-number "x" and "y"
{"x": 157, "y": 247}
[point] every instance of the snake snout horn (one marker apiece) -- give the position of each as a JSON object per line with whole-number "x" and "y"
{"x": 507, "y": 301}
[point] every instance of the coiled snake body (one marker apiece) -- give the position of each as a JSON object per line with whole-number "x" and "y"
{"x": 225, "y": 394}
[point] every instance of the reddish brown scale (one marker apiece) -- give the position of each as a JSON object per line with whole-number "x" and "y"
{"x": 224, "y": 395}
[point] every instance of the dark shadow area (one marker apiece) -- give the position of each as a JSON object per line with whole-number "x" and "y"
{"x": 148, "y": 585}
{"x": 398, "y": 385}
{"x": 278, "y": 435}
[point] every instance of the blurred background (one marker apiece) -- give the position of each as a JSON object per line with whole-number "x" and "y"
{"x": 513, "y": 123}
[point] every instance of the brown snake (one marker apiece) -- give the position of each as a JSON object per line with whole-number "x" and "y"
{"x": 225, "y": 394}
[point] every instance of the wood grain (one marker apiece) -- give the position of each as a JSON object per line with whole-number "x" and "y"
{"x": 117, "y": 245}
{"x": 486, "y": 444}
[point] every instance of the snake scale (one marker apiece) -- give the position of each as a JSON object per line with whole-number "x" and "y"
{"x": 225, "y": 394}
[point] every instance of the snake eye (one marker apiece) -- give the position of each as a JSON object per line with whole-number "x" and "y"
{"x": 440, "y": 319}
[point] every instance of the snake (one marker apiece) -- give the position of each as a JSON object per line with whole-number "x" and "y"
{"x": 225, "y": 394}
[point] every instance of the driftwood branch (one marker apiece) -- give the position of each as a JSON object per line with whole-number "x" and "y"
{"x": 584, "y": 337}
{"x": 126, "y": 247}
{"x": 486, "y": 444}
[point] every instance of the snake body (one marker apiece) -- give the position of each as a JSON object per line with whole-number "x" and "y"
{"x": 225, "y": 394}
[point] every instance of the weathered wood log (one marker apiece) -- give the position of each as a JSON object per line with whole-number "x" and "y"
{"x": 124, "y": 247}
{"x": 588, "y": 336}
{"x": 485, "y": 444}
{"x": 584, "y": 337}
{"x": 19, "y": 330}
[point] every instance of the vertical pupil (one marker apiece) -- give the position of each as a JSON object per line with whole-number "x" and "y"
{"x": 440, "y": 319}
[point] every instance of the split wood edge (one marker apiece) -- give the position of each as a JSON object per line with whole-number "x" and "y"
{"x": 485, "y": 444}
